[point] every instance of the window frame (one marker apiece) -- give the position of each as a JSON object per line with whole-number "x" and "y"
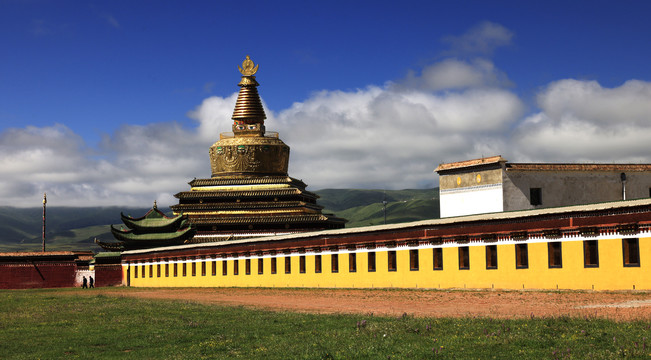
{"x": 318, "y": 263}
{"x": 590, "y": 253}
{"x": 555, "y": 254}
{"x": 491, "y": 257}
{"x": 464, "y": 257}
{"x": 521, "y": 253}
{"x": 627, "y": 244}
{"x": 372, "y": 264}
{"x": 414, "y": 261}
{"x": 392, "y": 261}
{"x": 274, "y": 265}
{"x": 334, "y": 263}
{"x": 437, "y": 258}
{"x": 301, "y": 264}
{"x": 288, "y": 264}
{"x": 352, "y": 262}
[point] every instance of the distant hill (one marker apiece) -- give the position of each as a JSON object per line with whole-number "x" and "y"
{"x": 71, "y": 228}
{"x": 68, "y": 228}
{"x": 364, "y": 207}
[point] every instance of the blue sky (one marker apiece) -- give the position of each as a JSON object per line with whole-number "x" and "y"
{"x": 117, "y": 102}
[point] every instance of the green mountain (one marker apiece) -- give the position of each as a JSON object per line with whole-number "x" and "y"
{"x": 67, "y": 228}
{"x": 70, "y": 228}
{"x": 365, "y": 207}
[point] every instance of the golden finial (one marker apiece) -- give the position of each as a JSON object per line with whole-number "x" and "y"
{"x": 248, "y": 67}
{"x": 155, "y": 205}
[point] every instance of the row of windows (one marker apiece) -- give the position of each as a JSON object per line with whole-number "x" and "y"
{"x": 630, "y": 250}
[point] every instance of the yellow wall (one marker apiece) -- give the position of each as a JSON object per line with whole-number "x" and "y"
{"x": 611, "y": 274}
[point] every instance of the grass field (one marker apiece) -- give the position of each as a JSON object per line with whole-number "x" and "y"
{"x": 51, "y": 324}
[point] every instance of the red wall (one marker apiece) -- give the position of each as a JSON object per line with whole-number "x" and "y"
{"x": 108, "y": 275}
{"x": 37, "y": 275}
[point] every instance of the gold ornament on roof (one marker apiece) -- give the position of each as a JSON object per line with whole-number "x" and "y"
{"x": 248, "y": 67}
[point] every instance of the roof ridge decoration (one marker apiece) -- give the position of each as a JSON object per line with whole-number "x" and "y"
{"x": 248, "y": 107}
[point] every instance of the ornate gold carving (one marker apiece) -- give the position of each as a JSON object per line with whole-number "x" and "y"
{"x": 248, "y": 67}
{"x": 249, "y": 155}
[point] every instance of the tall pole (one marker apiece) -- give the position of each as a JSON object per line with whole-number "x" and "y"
{"x": 384, "y": 207}
{"x": 44, "y": 202}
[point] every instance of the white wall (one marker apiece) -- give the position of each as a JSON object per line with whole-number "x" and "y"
{"x": 471, "y": 200}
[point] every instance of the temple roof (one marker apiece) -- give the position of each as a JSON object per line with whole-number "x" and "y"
{"x": 247, "y": 180}
{"x": 248, "y": 205}
{"x": 252, "y": 219}
{"x": 251, "y": 193}
{"x": 154, "y": 220}
{"x": 131, "y": 236}
{"x": 151, "y": 230}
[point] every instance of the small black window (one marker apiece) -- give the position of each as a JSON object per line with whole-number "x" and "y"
{"x": 413, "y": 260}
{"x": 491, "y": 256}
{"x": 260, "y": 265}
{"x": 236, "y": 267}
{"x": 535, "y": 196}
{"x": 631, "y": 252}
{"x": 392, "y": 261}
{"x": 464, "y": 258}
{"x": 247, "y": 266}
{"x": 317, "y": 263}
{"x": 335, "y": 263}
{"x": 521, "y": 256}
{"x": 288, "y": 265}
{"x": 224, "y": 267}
{"x": 301, "y": 264}
{"x": 591, "y": 253}
{"x": 352, "y": 262}
{"x": 437, "y": 254}
{"x": 371, "y": 261}
{"x": 555, "y": 254}
{"x": 273, "y": 265}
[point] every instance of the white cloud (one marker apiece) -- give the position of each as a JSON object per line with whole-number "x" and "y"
{"x": 451, "y": 74}
{"x": 389, "y": 136}
{"x": 482, "y": 39}
{"x": 583, "y": 121}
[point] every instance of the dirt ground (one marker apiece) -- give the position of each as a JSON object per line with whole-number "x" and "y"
{"x": 622, "y": 306}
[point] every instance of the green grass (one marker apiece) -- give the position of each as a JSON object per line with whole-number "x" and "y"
{"x": 51, "y": 324}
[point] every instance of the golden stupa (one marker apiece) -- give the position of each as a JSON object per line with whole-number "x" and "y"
{"x": 250, "y": 193}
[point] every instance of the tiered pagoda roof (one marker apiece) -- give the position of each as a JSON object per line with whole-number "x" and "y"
{"x": 250, "y": 193}
{"x": 154, "y": 229}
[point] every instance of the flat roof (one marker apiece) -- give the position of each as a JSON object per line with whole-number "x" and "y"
{"x": 576, "y": 167}
{"x": 542, "y": 166}
{"x": 470, "y": 163}
{"x": 46, "y": 253}
{"x": 559, "y": 211}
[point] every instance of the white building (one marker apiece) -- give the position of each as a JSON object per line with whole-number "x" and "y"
{"x": 493, "y": 184}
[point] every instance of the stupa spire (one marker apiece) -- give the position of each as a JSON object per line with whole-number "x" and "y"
{"x": 248, "y": 116}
